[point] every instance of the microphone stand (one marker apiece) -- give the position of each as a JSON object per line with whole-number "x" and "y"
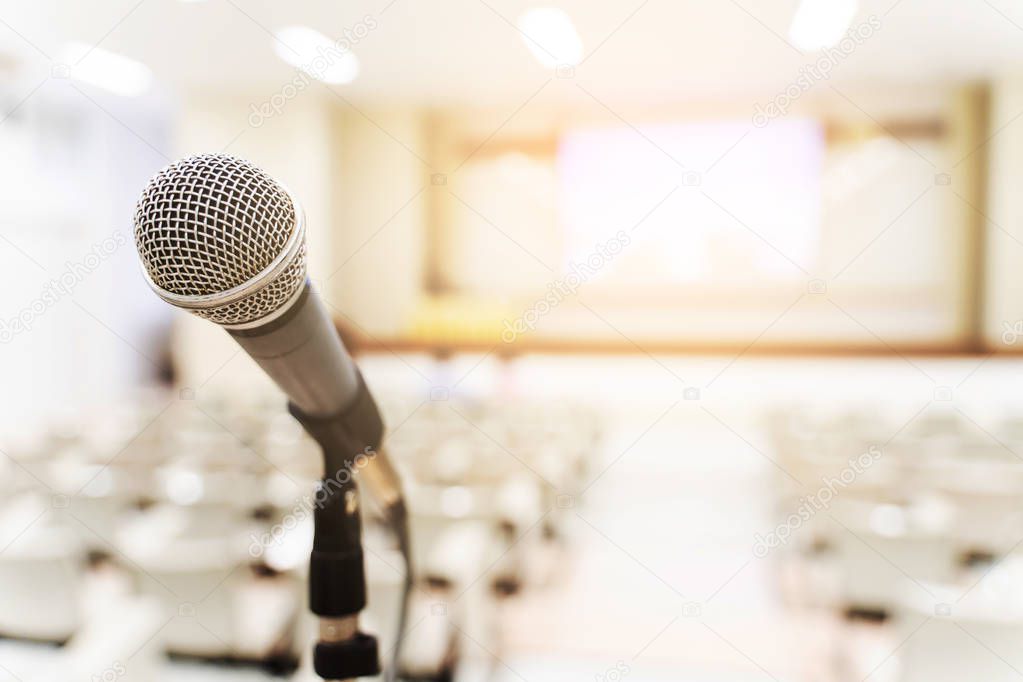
{"x": 337, "y": 580}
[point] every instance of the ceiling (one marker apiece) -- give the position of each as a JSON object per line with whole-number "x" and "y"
{"x": 470, "y": 50}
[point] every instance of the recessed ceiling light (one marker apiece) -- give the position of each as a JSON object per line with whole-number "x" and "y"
{"x": 316, "y": 54}
{"x": 820, "y": 24}
{"x": 114, "y": 72}
{"x": 551, "y": 36}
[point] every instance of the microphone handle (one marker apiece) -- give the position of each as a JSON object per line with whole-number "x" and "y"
{"x": 302, "y": 353}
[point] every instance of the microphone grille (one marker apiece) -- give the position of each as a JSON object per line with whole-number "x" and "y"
{"x": 208, "y": 225}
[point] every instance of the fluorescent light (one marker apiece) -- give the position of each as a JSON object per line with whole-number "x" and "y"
{"x": 818, "y": 24}
{"x": 550, "y": 35}
{"x": 316, "y": 54}
{"x": 116, "y": 73}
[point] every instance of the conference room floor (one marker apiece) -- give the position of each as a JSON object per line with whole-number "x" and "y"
{"x": 658, "y": 578}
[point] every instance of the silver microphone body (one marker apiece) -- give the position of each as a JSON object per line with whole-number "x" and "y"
{"x": 302, "y": 353}
{"x": 220, "y": 238}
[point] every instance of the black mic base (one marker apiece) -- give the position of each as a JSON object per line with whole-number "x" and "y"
{"x": 350, "y": 440}
{"x": 354, "y": 657}
{"x": 337, "y": 579}
{"x": 337, "y": 586}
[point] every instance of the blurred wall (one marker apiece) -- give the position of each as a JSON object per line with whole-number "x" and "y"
{"x": 363, "y": 201}
{"x": 78, "y": 325}
{"x": 406, "y": 204}
{"x": 1004, "y": 215}
{"x": 379, "y": 202}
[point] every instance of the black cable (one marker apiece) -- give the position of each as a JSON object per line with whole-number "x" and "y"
{"x": 398, "y": 517}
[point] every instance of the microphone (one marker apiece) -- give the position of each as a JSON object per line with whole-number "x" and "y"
{"x": 220, "y": 238}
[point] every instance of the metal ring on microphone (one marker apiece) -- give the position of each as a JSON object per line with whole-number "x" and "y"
{"x": 253, "y": 285}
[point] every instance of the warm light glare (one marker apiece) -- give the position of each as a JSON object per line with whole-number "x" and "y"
{"x": 316, "y": 54}
{"x": 820, "y": 24}
{"x": 184, "y": 487}
{"x": 290, "y": 549}
{"x": 550, "y": 35}
{"x": 888, "y": 520}
{"x": 456, "y": 501}
{"x": 116, "y": 73}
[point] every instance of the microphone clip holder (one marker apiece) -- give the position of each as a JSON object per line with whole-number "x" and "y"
{"x": 337, "y": 579}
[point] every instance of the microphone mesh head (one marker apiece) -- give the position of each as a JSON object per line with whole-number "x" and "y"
{"x": 211, "y": 223}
